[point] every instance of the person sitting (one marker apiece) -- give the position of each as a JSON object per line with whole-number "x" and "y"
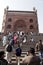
{"x": 31, "y": 59}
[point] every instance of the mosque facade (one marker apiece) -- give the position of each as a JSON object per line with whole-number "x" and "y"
{"x": 26, "y": 21}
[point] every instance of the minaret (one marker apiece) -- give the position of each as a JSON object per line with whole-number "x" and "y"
{"x": 35, "y": 10}
{"x": 4, "y": 19}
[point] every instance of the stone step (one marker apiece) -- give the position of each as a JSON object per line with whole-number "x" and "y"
{"x": 2, "y": 48}
{"x": 16, "y": 64}
{"x": 21, "y": 57}
{"x": 1, "y": 44}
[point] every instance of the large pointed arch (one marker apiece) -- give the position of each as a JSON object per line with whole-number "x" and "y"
{"x": 20, "y": 25}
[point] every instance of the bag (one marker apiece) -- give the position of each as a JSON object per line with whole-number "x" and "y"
{"x": 12, "y": 42}
{"x": 18, "y": 52}
{"x": 9, "y": 48}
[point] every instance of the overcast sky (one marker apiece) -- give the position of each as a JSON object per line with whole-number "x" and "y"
{"x": 24, "y": 5}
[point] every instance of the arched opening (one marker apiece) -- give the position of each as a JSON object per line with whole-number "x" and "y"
{"x": 20, "y": 25}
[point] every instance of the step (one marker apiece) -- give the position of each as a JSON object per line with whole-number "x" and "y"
{"x": 21, "y": 57}
{"x": 2, "y": 48}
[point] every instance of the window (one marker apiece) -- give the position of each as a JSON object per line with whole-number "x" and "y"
{"x": 31, "y": 26}
{"x": 31, "y": 20}
{"x": 9, "y": 19}
{"x": 8, "y": 26}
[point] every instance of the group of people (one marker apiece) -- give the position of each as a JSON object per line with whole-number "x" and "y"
{"x": 10, "y": 39}
{"x": 13, "y": 37}
{"x": 31, "y": 59}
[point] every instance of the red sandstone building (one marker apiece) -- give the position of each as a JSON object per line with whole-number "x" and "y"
{"x": 26, "y": 21}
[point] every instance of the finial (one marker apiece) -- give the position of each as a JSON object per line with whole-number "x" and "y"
{"x": 7, "y": 7}
{"x": 34, "y": 8}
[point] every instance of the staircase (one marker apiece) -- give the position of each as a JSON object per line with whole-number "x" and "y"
{"x": 14, "y": 58}
{"x": 21, "y": 57}
{"x": 14, "y": 62}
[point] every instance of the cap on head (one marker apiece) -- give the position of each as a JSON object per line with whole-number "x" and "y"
{"x": 40, "y": 40}
{"x": 32, "y": 50}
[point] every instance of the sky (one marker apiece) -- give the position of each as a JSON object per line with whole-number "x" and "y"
{"x": 23, "y": 5}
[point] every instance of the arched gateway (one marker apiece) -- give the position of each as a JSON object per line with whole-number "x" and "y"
{"x": 20, "y": 25}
